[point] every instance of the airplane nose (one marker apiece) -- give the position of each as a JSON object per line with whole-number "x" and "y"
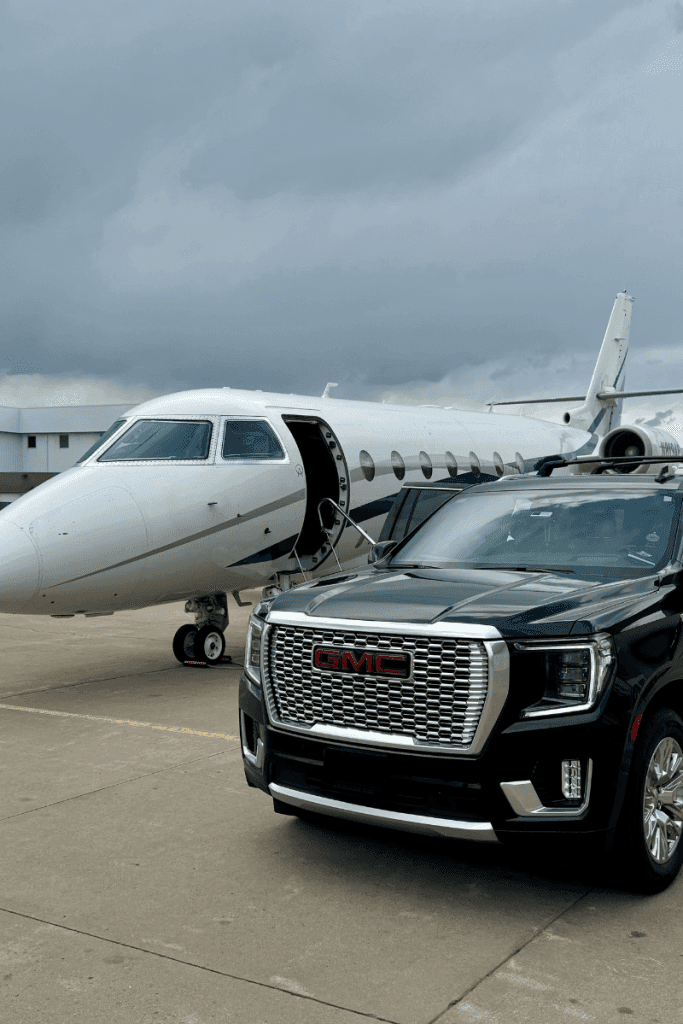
{"x": 19, "y": 568}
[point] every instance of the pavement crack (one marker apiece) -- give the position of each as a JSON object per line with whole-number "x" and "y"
{"x": 108, "y": 679}
{"x": 199, "y": 967}
{"x": 510, "y": 956}
{"x": 86, "y": 682}
{"x": 115, "y": 785}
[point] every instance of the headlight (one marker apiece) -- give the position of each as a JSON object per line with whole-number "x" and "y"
{"x": 252, "y": 655}
{"x": 575, "y": 674}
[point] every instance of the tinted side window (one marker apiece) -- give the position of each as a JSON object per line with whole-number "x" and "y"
{"x": 428, "y": 502}
{"x": 390, "y": 521}
{"x": 250, "y": 439}
{"x": 416, "y": 505}
{"x": 404, "y": 513}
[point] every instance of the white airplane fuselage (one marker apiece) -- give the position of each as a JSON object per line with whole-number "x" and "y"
{"x": 111, "y": 535}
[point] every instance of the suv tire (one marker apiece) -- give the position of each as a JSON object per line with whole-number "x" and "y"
{"x": 649, "y": 847}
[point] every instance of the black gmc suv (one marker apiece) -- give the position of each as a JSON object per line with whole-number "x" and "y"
{"x": 511, "y": 671}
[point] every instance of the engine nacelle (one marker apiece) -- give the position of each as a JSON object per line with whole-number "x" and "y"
{"x": 639, "y": 441}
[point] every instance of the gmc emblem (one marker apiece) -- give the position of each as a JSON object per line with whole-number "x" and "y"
{"x": 362, "y": 662}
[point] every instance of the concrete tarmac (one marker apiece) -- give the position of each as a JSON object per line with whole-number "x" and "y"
{"x": 142, "y": 882}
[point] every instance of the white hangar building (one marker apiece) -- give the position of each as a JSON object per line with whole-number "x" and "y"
{"x": 37, "y": 443}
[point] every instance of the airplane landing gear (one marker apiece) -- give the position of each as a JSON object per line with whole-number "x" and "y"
{"x": 209, "y": 645}
{"x": 204, "y": 642}
{"x": 183, "y": 643}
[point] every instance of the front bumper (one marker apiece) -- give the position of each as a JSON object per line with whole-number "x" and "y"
{"x": 511, "y": 790}
{"x": 421, "y": 823}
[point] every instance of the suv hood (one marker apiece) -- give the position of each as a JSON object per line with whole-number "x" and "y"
{"x": 516, "y": 603}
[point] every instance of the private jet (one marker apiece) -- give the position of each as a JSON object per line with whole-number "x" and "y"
{"x": 199, "y": 494}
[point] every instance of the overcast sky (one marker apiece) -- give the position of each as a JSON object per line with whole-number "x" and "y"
{"x": 431, "y": 201}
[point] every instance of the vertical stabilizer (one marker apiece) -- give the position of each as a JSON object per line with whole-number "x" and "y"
{"x": 600, "y": 415}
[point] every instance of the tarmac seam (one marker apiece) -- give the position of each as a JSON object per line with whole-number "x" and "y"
{"x": 184, "y": 730}
{"x": 115, "y": 785}
{"x": 518, "y": 949}
{"x": 105, "y": 679}
{"x": 200, "y": 967}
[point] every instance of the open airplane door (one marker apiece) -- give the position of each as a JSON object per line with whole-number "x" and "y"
{"x": 326, "y": 475}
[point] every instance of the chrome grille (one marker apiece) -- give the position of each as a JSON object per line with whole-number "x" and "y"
{"x": 441, "y": 703}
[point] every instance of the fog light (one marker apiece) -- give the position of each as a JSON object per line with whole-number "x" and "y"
{"x": 571, "y": 780}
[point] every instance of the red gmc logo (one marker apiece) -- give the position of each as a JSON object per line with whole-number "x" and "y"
{"x": 361, "y": 662}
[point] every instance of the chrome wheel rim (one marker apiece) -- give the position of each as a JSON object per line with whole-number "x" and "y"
{"x": 213, "y": 646}
{"x": 663, "y": 801}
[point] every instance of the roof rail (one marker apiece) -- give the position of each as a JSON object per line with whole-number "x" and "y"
{"x": 603, "y": 462}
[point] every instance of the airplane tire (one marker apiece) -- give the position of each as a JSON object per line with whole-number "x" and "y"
{"x": 209, "y": 645}
{"x": 183, "y": 643}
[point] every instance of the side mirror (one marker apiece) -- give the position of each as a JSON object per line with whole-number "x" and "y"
{"x": 380, "y": 549}
{"x": 674, "y": 579}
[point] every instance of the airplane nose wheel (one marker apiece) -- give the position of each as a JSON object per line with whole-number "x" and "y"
{"x": 209, "y": 645}
{"x": 205, "y": 645}
{"x": 183, "y": 643}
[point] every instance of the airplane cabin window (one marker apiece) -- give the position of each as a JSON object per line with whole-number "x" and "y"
{"x": 101, "y": 440}
{"x": 367, "y": 465}
{"x": 398, "y": 465}
{"x": 177, "y": 440}
{"x": 451, "y": 464}
{"x": 426, "y": 464}
{"x": 250, "y": 439}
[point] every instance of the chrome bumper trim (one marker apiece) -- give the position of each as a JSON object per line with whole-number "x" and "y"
{"x": 526, "y": 803}
{"x": 255, "y": 760}
{"x": 482, "y": 831}
{"x": 456, "y": 630}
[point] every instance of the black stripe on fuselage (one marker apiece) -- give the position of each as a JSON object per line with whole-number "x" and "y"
{"x": 262, "y": 510}
{"x": 370, "y": 510}
{"x": 363, "y": 513}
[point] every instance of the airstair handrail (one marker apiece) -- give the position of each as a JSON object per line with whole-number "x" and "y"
{"x": 346, "y": 516}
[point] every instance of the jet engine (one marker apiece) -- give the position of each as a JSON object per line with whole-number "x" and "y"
{"x": 639, "y": 441}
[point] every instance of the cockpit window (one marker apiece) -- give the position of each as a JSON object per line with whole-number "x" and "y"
{"x": 101, "y": 440}
{"x": 250, "y": 439}
{"x": 179, "y": 440}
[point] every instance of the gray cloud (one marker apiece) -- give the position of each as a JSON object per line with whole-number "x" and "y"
{"x": 35, "y": 389}
{"x": 663, "y": 418}
{"x": 379, "y": 193}
{"x": 677, "y": 12}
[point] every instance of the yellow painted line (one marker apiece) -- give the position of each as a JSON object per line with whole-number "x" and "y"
{"x": 122, "y": 721}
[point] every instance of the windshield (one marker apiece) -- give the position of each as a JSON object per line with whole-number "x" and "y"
{"x": 554, "y": 531}
{"x": 101, "y": 440}
{"x": 161, "y": 439}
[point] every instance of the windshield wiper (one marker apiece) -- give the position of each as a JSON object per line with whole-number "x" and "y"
{"x": 524, "y": 568}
